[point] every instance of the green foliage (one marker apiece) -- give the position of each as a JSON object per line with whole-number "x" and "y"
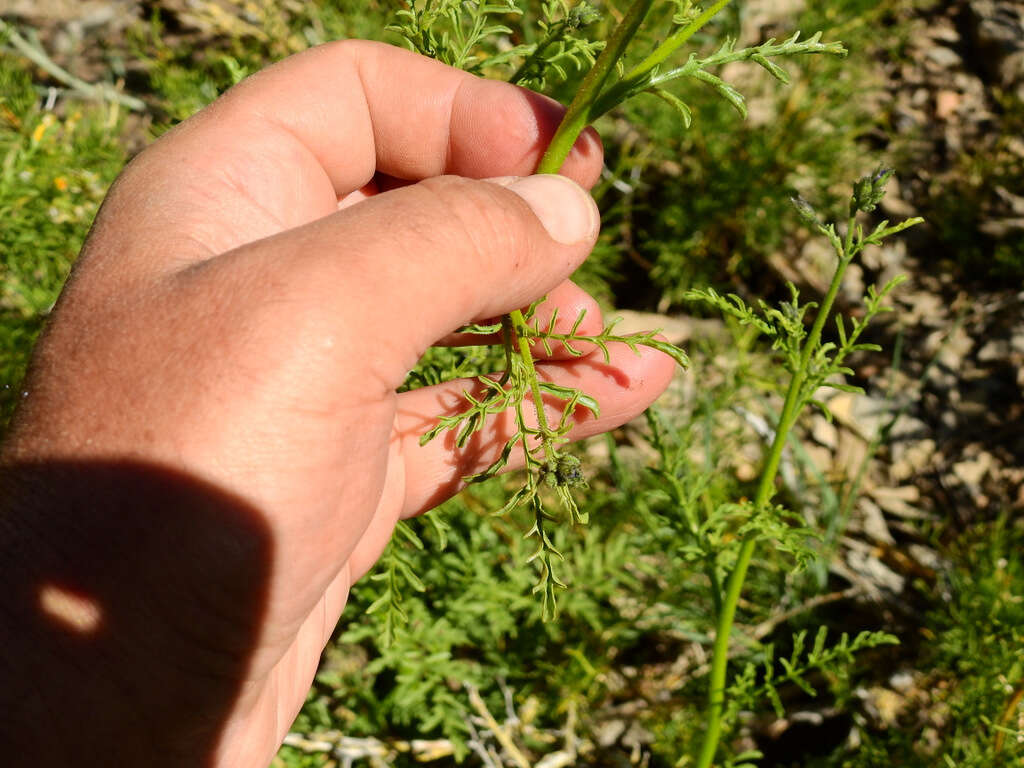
{"x": 477, "y": 623}
{"x": 606, "y": 86}
{"x": 185, "y": 73}
{"x": 55, "y": 171}
{"x": 970, "y": 703}
{"x": 452, "y": 31}
{"x": 979, "y": 648}
{"x": 549, "y": 469}
{"x": 710, "y": 204}
{"x": 821, "y": 365}
{"x": 699, "y": 69}
{"x": 559, "y": 46}
{"x": 677, "y": 566}
{"x": 469, "y": 35}
{"x": 639, "y": 593}
{"x": 811, "y": 363}
{"x": 762, "y": 681}
{"x": 398, "y": 576}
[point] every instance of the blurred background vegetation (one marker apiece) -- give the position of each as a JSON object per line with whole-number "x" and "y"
{"x": 917, "y": 487}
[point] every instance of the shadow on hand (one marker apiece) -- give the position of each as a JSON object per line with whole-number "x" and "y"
{"x": 133, "y": 601}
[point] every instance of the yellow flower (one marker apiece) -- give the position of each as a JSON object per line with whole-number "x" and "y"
{"x": 41, "y": 129}
{"x": 61, "y": 184}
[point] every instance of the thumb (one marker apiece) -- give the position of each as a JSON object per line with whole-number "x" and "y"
{"x": 398, "y": 271}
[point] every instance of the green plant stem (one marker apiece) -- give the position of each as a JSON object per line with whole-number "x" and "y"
{"x": 519, "y": 330}
{"x": 578, "y": 116}
{"x": 507, "y": 327}
{"x": 640, "y": 76}
{"x": 795, "y": 399}
{"x": 663, "y": 52}
{"x": 575, "y": 120}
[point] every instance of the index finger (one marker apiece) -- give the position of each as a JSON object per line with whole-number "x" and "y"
{"x": 281, "y": 148}
{"x": 361, "y": 107}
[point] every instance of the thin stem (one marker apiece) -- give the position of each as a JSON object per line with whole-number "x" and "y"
{"x": 765, "y": 490}
{"x": 519, "y": 326}
{"x": 642, "y": 74}
{"x": 575, "y": 120}
{"x": 507, "y": 332}
{"x": 664, "y": 51}
{"x": 694, "y": 66}
{"x": 578, "y": 116}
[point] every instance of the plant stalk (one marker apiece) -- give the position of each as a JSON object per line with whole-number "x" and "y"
{"x": 765, "y": 490}
{"x": 576, "y": 118}
{"x": 642, "y": 74}
{"x": 681, "y": 36}
{"x": 519, "y": 330}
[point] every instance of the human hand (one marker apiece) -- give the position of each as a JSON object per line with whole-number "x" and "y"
{"x": 212, "y": 450}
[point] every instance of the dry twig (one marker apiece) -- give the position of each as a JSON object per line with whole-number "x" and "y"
{"x": 32, "y": 51}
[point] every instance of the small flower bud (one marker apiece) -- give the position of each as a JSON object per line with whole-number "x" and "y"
{"x": 806, "y": 212}
{"x": 869, "y": 191}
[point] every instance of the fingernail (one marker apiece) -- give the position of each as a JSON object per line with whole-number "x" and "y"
{"x": 565, "y": 209}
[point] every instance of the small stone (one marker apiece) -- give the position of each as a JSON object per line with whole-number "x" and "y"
{"x": 927, "y": 308}
{"x": 820, "y": 457}
{"x": 948, "y": 419}
{"x": 842, "y": 407}
{"x": 875, "y": 571}
{"x": 906, "y": 119}
{"x": 954, "y": 138}
{"x": 952, "y": 349}
{"x": 902, "y": 682}
{"x": 637, "y": 736}
{"x": 926, "y": 556}
{"x": 1014, "y": 203}
{"x": 945, "y": 58}
{"x": 762, "y": 15}
{"x": 999, "y": 229}
{"x": 946, "y": 104}
{"x": 1012, "y": 73}
{"x": 994, "y": 351}
{"x": 825, "y": 433}
{"x": 853, "y": 287}
{"x": 608, "y": 733}
{"x": 972, "y": 471}
{"x": 1017, "y": 341}
{"x": 873, "y": 522}
{"x": 871, "y": 413}
{"x": 944, "y": 32}
{"x": 817, "y": 262}
{"x": 911, "y": 460}
{"x": 898, "y": 502}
